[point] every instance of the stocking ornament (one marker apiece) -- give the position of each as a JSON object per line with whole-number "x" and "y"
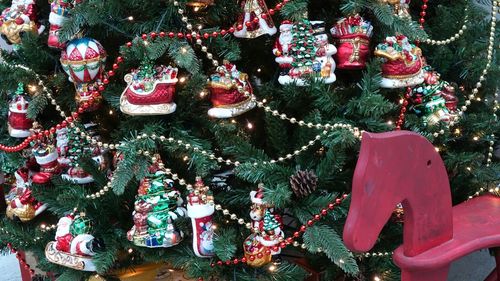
{"x": 19, "y": 123}
{"x": 46, "y": 156}
{"x": 200, "y": 207}
{"x": 255, "y": 20}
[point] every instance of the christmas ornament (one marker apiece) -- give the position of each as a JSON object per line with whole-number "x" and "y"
{"x": 227, "y": 87}
{"x": 84, "y": 61}
{"x": 78, "y": 148}
{"x": 267, "y": 234}
{"x": 20, "y": 17}
{"x": 46, "y": 156}
{"x": 20, "y": 202}
{"x": 157, "y": 206}
{"x": 352, "y": 37}
{"x": 255, "y": 20}
{"x": 200, "y": 208}
{"x": 303, "y": 51}
{"x": 74, "y": 245}
{"x": 200, "y": 3}
{"x": 19, "y": 123}
{"x": 401, "y": 7}
{"x": 150, "y": 90}
{"x": 62, "y": 141}
{"x": 434, "y": 100}
{"x": 402, "y": 62}
{"x": 59, "y": 13}
{"x": 304, "y": 183}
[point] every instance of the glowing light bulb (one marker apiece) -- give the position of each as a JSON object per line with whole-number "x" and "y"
{"x": 272, "y": 268}
{"x": 376, "y": 278}
{"x": 203, "y": 94}
{"x": 457, "y": 131}
{"x": 196, "y": 9}
{"x": 130, "y": 250}
{"x": 437, "y": 149}
{"x": 110, "y": 112}
{"x": 233, "y": 121}
{"x": 182, "y": 79}
{"x": 183, "y": 50}
{"x": 130, "y": 18}
{"x": 259, "y": 70}
{"x": 475, "y": 138}
{"x": 249, "y": 125}
{"x": 389, "y": 122}
{"x": 185, "y": 158}
{"x": 32, "y": 88}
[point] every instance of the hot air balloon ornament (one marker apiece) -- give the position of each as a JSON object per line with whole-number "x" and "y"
{"x": 84, "y": 61}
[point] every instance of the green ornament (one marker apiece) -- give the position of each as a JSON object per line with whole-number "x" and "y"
{"x": 80, "y": 225}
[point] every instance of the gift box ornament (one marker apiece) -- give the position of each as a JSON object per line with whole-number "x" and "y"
{"x": 254, "y": 21}
{"x": 84, "y": 61}
{"x": 20, "y": 202}
{"x": 402, "y": 62}
{"x": 303, "y": 52}
{"x": 200, "y": 208}
{"x": 352, "y": 37}
{"x": 158, "y": 204}
{"x": 150, "y": 90}
{"x": 17, "y": 19}
{"x": 231, "y": 93}
{"x": 19, "y": 124}
{"x": 75, "y": 245}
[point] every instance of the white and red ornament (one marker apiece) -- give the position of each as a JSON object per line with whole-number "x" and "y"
{"x": 74, "y": 246}
{"x": 19, "y": 124}
{"x": 150, "y": 91}
{"x": 352, "y": 36}
{"x": 231, "y": 93}
{"x": 20, "y": 17}
{"x": 303, "y": 52}
{"x": 62, "y": 141}
{"x": 402, "y": 62}
{"x": 84, "y": 61}
{"x": 20, "y": 202}
{"x": 255, "y": 20}
{"x": 47, "y": 157}
{"x": 200, "y": 208}
{"x": 59, "y": 13}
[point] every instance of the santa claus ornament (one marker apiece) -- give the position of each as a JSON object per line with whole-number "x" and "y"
{"x": 74, "y": 245}
{"x": 59, "y": 13}
{"x": 157, "y": 206}
{"x": 19, "y": 18}
{"x": 352, "y": 37}
{"x": 200, "y": 208}
{"x": 84, "y": 61}
{"x": 150, "y": 91}
{"x": 230, "y": 92}
{"x": 255, "y": 20}
{"x": 263, "y": 243}
{"x": 434, "y": 100}
{"x": 402, "y": 62}
{"x": 20, "y": 202}
{"x": 19, "y": 124}
{"x": 303, "y": 52}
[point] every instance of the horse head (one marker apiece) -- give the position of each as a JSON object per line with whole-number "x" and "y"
{"x": 395, "y": 167}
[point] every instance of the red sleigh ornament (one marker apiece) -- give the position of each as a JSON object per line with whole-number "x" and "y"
{"x": 435, "y": 233}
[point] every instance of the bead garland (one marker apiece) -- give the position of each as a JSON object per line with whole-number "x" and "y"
{"x": 404, "y": 104}
{"x": 423, "y": 13}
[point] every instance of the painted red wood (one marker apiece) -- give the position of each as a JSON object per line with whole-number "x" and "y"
{"x": 25, "y": 272}
{"x": 403, "y": 167}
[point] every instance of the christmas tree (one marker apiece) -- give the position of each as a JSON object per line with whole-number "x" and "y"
{"x": 173, "y": 47}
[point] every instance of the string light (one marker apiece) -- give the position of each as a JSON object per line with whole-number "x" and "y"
{"x": 475, "y": 138}
{"x": 110, "y": 112}
{"x": 249, "y": 126}
{"x": 130, "y": 18}
{"x": 32, "y": 88}
{"x": 203, "y": 94}
{"x": 196, "y": 9}
{"x": 376, "y": 278}
{"x": 130, "y": 250}
{"x": 272, "y": 268}
{"x": 259, "y": 70}
{"x": 182, "y": 79}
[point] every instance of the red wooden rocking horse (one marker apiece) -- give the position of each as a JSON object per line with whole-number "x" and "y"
{"x": 435, "y": 233}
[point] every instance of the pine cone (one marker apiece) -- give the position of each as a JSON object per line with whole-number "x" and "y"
{"x": 304, "y": 183}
